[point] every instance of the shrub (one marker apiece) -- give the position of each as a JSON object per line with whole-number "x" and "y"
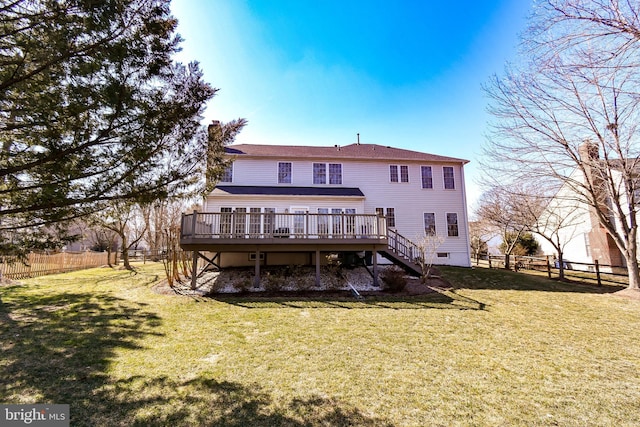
{"x": 274, "y": 280}
{"x": 394, "y": 279}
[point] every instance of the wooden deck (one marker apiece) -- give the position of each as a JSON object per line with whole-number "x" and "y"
{"x": 264, "y": 232}
{"x": 281, "y": 232}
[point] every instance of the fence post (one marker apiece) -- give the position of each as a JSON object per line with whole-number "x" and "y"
{"x": 489, "y": 258}
{"x": 31, "y": 264}
{"x": 548, "y": 267}
{"x": 598, "y": 272}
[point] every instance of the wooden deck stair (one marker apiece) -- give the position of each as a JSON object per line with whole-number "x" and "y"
{"x": 402, "y": 252}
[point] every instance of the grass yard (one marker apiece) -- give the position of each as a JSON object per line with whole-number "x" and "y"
{"x": 503, "y": 349}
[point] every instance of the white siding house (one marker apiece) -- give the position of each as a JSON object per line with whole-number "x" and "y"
{"x": 574, "y": 223}
{"x": 568, "y": 222}
{"x": 414, "y": 191}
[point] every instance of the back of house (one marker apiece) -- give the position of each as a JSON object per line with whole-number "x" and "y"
{"x": 417, "y": 194}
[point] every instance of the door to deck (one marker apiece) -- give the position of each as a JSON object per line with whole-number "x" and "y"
{"x": 299, "y": 223}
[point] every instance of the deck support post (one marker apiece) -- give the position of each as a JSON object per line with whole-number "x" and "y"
{"x": 376, "y": 283}
{"x": 256, "y": 279}
{"x": 194, "y": 271}
{"x": 317, "y": 268}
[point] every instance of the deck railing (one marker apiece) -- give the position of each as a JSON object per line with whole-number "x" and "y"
{"x": 299, "y": 225}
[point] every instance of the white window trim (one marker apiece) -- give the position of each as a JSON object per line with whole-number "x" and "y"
{"x": 399, "y": 170}
{"x": 327, "y": 172}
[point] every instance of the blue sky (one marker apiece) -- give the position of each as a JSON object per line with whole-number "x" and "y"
{"x": 401, "y": 73}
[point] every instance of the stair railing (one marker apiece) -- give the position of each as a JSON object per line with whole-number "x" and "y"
{"x": 403, "y": 247}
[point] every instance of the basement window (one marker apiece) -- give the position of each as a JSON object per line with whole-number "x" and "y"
{"x": 443, "y": 254}
{"x": 252, "y": 256}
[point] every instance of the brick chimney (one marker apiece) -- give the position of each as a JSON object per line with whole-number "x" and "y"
{"x": 589, "y": 151}
{"x": 603, "y": 247}
{"x": 212, "y": 128}
{"x": 213, "y": 131}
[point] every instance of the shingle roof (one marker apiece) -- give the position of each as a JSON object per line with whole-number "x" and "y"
{"x": 289, "y": 191}
{"x": 353, "y": 151}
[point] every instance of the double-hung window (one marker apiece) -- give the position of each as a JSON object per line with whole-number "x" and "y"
{"x": 334, "y": 173}
{"x": 427, "y": 177}
{"x": 391, "y": 217}
{"x": 429, "y": 223}
{"x": 404, "y": 173}
{"x": 452, "y": 224}
{"x": 398, "y": 173}
{"x": 393, "y": 173}
{"x": 284, "y": 172}
{"x": 227, "y": 174}
{"x": 449, "y": 180}
{"x": 319, "y": 173}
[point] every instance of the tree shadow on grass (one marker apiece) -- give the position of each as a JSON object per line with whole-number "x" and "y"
{"x": 207, "y": 402}
{"x": 57, "y": 348}
{"x": 439, "y": 299}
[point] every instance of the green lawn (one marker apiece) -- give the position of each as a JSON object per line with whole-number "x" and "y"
{"x": 502, "y": 349}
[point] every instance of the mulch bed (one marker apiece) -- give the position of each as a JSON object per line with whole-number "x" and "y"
{"x": 413, "y": 288}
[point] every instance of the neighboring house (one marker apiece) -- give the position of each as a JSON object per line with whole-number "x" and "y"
{"x": 285, "y": 204}
{"x": 574, "y": 224}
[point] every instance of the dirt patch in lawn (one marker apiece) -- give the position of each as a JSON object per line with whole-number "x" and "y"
{"x": 629, "y": 293}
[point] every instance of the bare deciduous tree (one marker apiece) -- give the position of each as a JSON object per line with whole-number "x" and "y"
{"x": 566, "y": 25}
{"x": 558, "y": 223}
{"x": 158, "y": 217}
{"x": 568, "y": 115}
{"x": 123, "y": 219}
{"x": 480, "y": 233}
{"x": 427, "y": 245}
{"x": 502, "y": 211}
